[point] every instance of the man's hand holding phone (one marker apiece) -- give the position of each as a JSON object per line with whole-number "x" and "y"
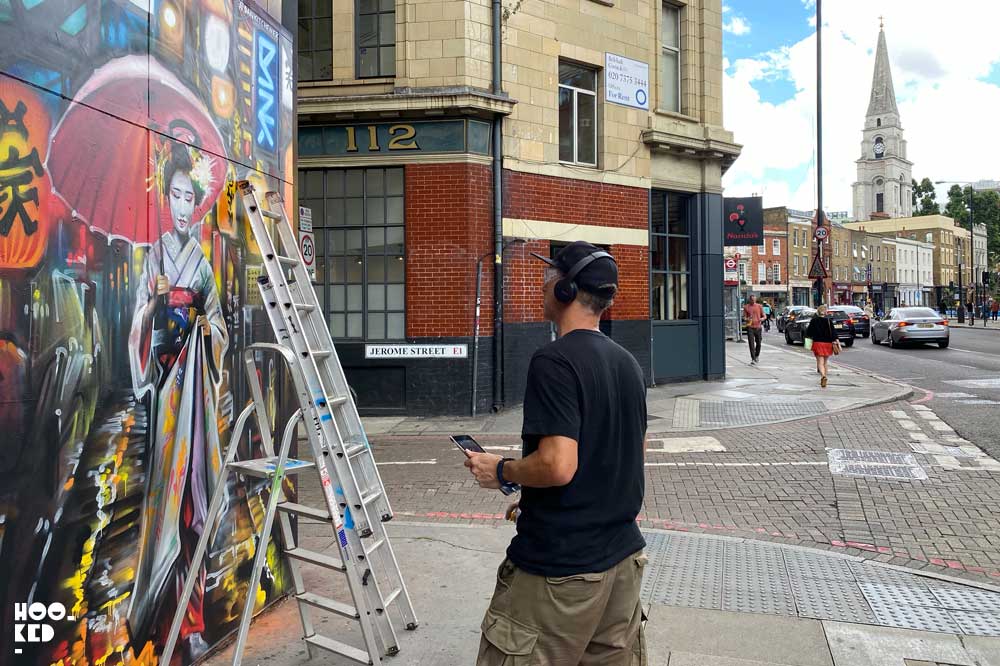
{"x": 484, "y": 467}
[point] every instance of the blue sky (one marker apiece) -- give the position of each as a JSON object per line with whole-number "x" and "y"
{"x": 946, "y": 69}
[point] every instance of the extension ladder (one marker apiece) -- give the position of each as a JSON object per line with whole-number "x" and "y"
{"x": 356, "y": 505}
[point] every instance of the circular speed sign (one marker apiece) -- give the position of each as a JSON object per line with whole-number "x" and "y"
{"x": 307, "y": 249}
{"x": 822, "y": 233}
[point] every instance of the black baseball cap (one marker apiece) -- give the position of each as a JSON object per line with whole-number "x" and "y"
{"x": 595, "y": 277}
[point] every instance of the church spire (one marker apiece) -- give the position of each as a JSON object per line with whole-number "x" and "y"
{"x": 883, "y": 96}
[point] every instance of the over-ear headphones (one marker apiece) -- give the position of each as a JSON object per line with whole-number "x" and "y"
{"x": 565, "y": 288}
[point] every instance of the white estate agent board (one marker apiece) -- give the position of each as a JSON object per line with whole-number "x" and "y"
{"x": 416, "y": 351}
{"x": 626, "y": 81}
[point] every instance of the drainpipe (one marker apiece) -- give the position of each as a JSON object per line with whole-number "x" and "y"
{"x": 497, "y": 219}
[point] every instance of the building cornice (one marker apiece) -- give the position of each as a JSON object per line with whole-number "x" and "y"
{"x": 457, "y": 100}
{"x": 692, "y": 148}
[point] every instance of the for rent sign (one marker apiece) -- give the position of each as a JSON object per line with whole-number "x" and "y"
{"x": 626, "y": 81}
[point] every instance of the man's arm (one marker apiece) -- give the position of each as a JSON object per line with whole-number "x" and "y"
{"x": 553, "y": 464}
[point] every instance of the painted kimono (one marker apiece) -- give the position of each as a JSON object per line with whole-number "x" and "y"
{"x": 180, "y": 365}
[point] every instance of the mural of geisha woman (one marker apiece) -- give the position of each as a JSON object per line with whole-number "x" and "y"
{"x": 176, "y": 346}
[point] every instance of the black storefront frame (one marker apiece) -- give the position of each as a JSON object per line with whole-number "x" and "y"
{"x": 694, "y": 349}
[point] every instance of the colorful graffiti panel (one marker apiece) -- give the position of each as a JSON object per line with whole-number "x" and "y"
{"x": 124, "y": 308}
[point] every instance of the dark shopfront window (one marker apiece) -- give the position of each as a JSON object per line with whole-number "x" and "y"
{"x": 670, "y": 256}
{"x": 360, "y": 266}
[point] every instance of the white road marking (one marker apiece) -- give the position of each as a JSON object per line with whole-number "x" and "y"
{"x": 979, "y": 402}
{"x": 942, "y": 427}
{"x": 502, "y": 448}
{"x": 929, "y": 416}
{"x": 954, "y": 395}
{"x": 909, "y": 425}
{"x": 919, "y": 437}
{"x": 920, "y": 408}
{"x": 898, "y": 414}
{"x": 407, "y": 462}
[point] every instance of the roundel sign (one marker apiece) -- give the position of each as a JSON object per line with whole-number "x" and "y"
{"x": 822, "y": 233}
{"x": 730, "y": 264}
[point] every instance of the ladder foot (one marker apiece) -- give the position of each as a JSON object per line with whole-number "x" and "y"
{"x": 386, "y": 517}
{"x": 393, "y": 651}
{"x": 411, "y": 626}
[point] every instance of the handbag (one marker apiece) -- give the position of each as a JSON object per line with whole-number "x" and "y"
{"x": 808, "y": 342}
{"x": 836, "y": 342}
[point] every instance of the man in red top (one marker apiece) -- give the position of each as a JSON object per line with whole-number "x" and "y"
{"x": 753, "y": 313}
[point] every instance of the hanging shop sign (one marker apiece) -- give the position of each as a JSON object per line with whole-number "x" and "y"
{"x": 743, "y": 221}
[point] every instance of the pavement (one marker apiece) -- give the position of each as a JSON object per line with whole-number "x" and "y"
{"x": 783, "y": 387}
{"x": 859, "y": 531}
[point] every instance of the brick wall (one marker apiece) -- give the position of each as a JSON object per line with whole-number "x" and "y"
{"x": 523, "y": 275}
{"x": 632, "y": 301}
{"x": 449, "y": 225}
{"x": 533, "y": 197}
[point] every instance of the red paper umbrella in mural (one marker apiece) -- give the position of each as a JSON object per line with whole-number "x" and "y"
{"x": 107, "y": 166}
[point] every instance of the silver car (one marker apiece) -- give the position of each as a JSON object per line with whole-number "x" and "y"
{"x": 911, "y": 325}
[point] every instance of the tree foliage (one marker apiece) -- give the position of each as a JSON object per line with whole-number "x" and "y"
{"x": 986, "y": 210}
{"x": 925, "y": 198}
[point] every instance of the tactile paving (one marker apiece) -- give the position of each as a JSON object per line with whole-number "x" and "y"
{"x": 751, "y": 599}
{"x": 977, "y": 624}
{"x": 807, "y": 565}
{"x": 884, "y": 457}
{"x": 913, "y": 594}
{"x": 867, "y": 571}
{"x": 967, "y": 599}
{"x": 825, "y": 599}
{"x": 892, "y": 614}
{"x": 736, "y": 412}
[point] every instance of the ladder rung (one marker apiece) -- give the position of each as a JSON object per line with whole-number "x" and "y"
{"x": 288, "y": 261}
{"x": 371, "y": 496}
{"x": 375, "y": 546}
{"x": 329, "y": 605}
{"x": 392, "y": 597}
{"x": 305, "y": 307}
{"x": 265, "y": 467}
{"x": 336, "y": 647}
{"x": 268, "y": 214}
{"x": 318, "y": 559}
{"x": 320, "y": 353}
{"x": 352, "y": 451}
{"x": 303, "y": 511}
{"x": 337, "y": 402}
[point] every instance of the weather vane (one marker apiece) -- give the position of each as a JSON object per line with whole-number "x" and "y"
{"x": 881, "y": 24}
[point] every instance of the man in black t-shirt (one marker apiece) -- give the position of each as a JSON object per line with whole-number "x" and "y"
{"x": 568, "y": 592}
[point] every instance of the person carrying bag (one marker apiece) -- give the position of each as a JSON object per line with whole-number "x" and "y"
{"x": 824, "y": 341}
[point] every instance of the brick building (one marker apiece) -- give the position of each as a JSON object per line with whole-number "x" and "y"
{"x": 440, "y": 146}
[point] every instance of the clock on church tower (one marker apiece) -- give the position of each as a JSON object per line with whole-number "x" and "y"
{"x": 879, "y": 148}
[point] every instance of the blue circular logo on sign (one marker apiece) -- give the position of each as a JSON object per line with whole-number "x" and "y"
{"x": 640, "y": 97}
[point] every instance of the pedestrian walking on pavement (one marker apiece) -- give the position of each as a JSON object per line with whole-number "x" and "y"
{"x": 971, "y": 309}
{"x": 767, "y": 316}
{"x": 568, "y": 591}
{"x": 995, "y": 308}
{"x": 824, "y": 340}
{"x": 753, "y": 313}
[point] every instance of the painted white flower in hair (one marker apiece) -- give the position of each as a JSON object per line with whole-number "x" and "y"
{"x": 201, "y": 172}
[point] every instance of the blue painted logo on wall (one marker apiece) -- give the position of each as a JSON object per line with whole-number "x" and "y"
{"x": 267, "y": 91}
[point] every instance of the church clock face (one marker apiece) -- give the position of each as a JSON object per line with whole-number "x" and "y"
{"x": 879, "y": 148}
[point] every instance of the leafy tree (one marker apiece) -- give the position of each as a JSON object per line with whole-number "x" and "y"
{"x": 986, "y": 210}
{"x": 925, "y": 198}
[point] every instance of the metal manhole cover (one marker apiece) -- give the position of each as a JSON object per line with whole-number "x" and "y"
{"x": 897, "y": 472}
{"x": 884, "y": 457}
{"x": 734, "y": 412}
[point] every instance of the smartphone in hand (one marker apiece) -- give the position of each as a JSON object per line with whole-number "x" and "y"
{"x": 466, "y": 444}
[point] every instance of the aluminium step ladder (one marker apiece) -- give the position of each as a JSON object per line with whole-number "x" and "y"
{"x": 356, "y": 505}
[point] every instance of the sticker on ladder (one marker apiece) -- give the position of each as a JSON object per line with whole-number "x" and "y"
{"x": 342, "y": 499}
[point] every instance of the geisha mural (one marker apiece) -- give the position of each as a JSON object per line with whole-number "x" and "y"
{"x": 124, "y": 301}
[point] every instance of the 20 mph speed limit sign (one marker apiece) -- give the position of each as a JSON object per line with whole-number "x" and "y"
{"x": 307, "y": 245}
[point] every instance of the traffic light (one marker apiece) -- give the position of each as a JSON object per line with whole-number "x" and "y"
{"x": 987, "y": 277}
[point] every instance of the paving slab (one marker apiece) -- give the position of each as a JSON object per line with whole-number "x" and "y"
{"x": 751, "y": 638}
{"x": 859, "y": 645}
{"x": 689, "y": 659}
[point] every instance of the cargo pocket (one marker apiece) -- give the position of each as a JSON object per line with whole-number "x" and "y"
{"x": 510, "y": 643}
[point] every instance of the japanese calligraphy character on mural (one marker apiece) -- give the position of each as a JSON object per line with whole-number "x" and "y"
{"x": 122, "y": 308}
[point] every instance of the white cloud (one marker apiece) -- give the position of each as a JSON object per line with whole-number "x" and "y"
{"x": 737, "y": 26}
{"x": 947, "y": 113}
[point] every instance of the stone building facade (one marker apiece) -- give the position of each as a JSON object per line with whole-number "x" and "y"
{"x": 432, "y": 171}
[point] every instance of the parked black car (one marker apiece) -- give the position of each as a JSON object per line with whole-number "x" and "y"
{"x": 859, "y": 318}
{"x": 842, "y": 326}
{"x": 789, "y": 313}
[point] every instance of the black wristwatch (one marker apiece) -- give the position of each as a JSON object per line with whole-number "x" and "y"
{"x": 505, "y": 486}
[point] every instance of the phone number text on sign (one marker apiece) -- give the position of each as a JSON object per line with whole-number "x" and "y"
{"x": 626, "y": 81}
{"x": 416, "y": 351}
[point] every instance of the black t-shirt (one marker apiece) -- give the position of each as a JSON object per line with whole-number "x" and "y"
{"x": 586, "y": 387}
